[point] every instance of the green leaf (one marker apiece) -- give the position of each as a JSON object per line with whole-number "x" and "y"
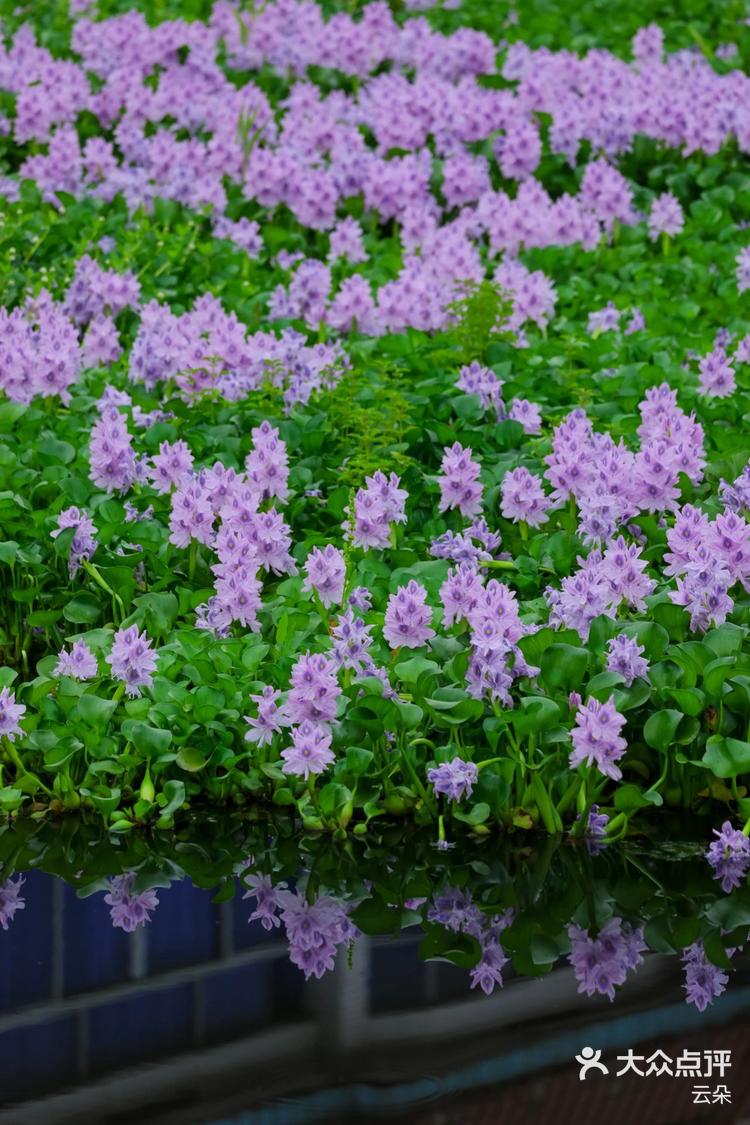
{"x": 374, "y": 916}
{"x": 95, "y": 710}
{"x": 409, "y": 671}
{"x": 727, "y": 757}
{"x": 441, "y": 944}
{"x": 84, "y": 609}
{"x": 151, "y": 741}
{"x": 358, "y": 760}
{"x": 660, "y": 729}
{"x": 170, "y": 800}
{"x": 191, "y": 759}
{"x": 564, "y": 666}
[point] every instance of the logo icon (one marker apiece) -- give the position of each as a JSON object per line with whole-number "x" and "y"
{"x": 590, "y": 1060}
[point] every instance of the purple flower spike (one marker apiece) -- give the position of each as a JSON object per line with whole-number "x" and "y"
{"x": 729, "y": 855}
{"x": 455, "y": 779}
{"x": 129, "y": 910}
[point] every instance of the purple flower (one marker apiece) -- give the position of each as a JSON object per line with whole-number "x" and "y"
{"x": 596, "y": 828}
{"x": 527, "y": 413}
{"x": 129, "y": 909}
{"x": 310, "y": 752}
{"x": 351, "y": 642}
{"x": 489, "y": 971}
{"x": 743, "y": 269}
{"x": 408, "y": 617}
{"x": 11, "y": 900}
{"x": 596, "y": 739}
{"x": 267, "y": 900}
{"x": 192, "y": 515}
{"x": 624, "y": 655}
{"x": 602, "y": 963}
{"x": 325, "y": 573}
{"x": 483, "y": 382}
{"x": 315, "y": 689}
{"x": 361, "y": 599}
{"x": 522, "y": 498}
{"x": 606, "y": 319}
{"x": 729, "y": 855}
{"x": 666, "y": 216}
{"x": 459, "y": 483}
{"x": 703, "y": 980}
{"x": 454, "y": 780}
{"x": 111, "y": 456}
{"x": 376, "y": 507}
{"x": 314, "y": 931}
{"x": 132, "y": 659}
{"x": 270, "y": 718}
{"x": 460, "y": 593}
{"x": 10, "y": 715}
{"x": 170, "y": 466}
{"x": 267, "y": 465}
{"x": 716, "y": 374}
{"x": 80, "y": 663}
{"x": 83, "y": 544}
{"x": 636, "y": 323}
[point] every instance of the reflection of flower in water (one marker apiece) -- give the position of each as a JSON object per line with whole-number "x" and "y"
{"x": 456, "y": 910}
{"x": 703, "y": 981}
{"x": 314, "y": 930}
{"x": 129, "y": 910}
{"x": 267, "y": 899}
{"x": 603, "y": 962}
{"x": 729, "y": 855}
{"x": 10, "y": 900}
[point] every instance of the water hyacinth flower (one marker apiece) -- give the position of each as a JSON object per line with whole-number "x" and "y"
{"x": 522, "y": 498}
{"x": 596, "y": 737}
{"x": 729, "y": 855}
{"x": 270, "y": 717}
{"x": 666, "y": 216}
{"x": 170, "y": 466}
{"x": 325, "y": 573}
{"x": 267, "y": 900}
{"x": 742, "y": 262}
{"x": 625, "y": 655}
{"x": 315, "y": 931}
{"x": 408, "y": 617}
{"x": 704, "y": 981}
{"x": 132, "y": 660}
{"x": 455, "y": 779}
{"x": 459, "y": 481}
{"x": 267, "y": 466}
{"x": 310, "y": 752}
{"x": 11, "y": 900}
{"x": 314, "y": 691}
{"x": 11, "y": 714}
{"x": 83, "y": 544}
{"x": 603, "y": 963}
{"x": 376, "y": 507}
{"x": 129, "y": 909}
{"x": 474, "y": 379}
{"x": 716, "y": 374}
{"x": 80, "y": 663}
{"x": 111, "y": 455}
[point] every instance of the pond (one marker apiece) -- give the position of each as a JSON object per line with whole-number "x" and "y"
{"x": 239, "y": 973}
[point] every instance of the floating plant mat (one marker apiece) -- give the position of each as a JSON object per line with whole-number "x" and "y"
{"x": 382, "y": 466}
{"x": 496, "y": 909}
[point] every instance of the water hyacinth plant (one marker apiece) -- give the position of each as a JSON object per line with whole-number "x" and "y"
{"x": 369, "y": 462}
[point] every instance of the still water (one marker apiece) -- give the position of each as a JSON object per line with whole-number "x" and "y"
{"x": 201, "y": 1015}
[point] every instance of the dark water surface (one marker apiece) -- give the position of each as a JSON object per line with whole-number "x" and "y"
{"x": 200, "y": 1016}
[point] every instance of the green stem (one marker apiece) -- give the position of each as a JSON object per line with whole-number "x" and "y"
{"x": 92, "y": 571}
